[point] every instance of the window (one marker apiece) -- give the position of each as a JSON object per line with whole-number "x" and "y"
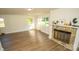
{"x": 45, "y": 21}
{"x": 2, "y": 22}
{"x": 29, "y": 21}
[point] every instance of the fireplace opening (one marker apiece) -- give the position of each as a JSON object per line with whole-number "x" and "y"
{"x": 61, "y": 35}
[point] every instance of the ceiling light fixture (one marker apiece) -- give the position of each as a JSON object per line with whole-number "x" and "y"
{"x": 29, "y": 9}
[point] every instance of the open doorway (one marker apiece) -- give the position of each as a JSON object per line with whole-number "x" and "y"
{"x": 42, "y": 24}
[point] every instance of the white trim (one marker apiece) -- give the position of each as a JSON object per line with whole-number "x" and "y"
{"x": 44, "y": 32}
{"x": 1, "y": 48}
{"x": 17, "y": 31}
{"x": 75, "y": 46}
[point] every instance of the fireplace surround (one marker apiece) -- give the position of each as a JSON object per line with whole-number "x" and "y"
{"x": 66, "y": 36}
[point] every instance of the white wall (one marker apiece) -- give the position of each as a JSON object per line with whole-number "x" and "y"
{"x": 15, "y": 23}
{"x": 62, "y": 14}
{"x": 45, "y": 29}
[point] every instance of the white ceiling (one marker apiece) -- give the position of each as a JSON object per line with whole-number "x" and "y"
{"x": 24, "y": 10}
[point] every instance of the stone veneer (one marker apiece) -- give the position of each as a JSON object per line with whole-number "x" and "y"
{"x": 67, "y": 29}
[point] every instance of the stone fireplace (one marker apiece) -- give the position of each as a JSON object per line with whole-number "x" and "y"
{"x": 66, "y": 36}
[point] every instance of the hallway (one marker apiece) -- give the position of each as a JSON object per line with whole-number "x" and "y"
{"x": 33, "y": 40}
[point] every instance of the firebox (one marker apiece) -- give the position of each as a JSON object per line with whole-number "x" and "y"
{"x": 61, "y": 35}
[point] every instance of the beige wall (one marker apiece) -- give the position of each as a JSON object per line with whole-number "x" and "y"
{"x": 15, "y": 23}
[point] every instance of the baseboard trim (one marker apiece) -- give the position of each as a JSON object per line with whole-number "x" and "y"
{"x": 17, "y": 31}
{"x": 43, "y": 32}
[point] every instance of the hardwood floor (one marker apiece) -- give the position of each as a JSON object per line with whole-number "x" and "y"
{"x": 30, "y": 41}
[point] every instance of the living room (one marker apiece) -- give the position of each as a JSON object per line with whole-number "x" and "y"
{"x": 39, "y": 29}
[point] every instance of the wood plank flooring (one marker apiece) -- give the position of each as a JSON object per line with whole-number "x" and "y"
{"x": 33, "y": 40}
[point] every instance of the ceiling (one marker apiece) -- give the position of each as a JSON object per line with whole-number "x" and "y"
{"x": 24, "y": 11}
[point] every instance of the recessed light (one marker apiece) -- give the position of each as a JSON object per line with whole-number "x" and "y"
{"x": 29, "y": 9}
{"x": 1, "y": 19}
